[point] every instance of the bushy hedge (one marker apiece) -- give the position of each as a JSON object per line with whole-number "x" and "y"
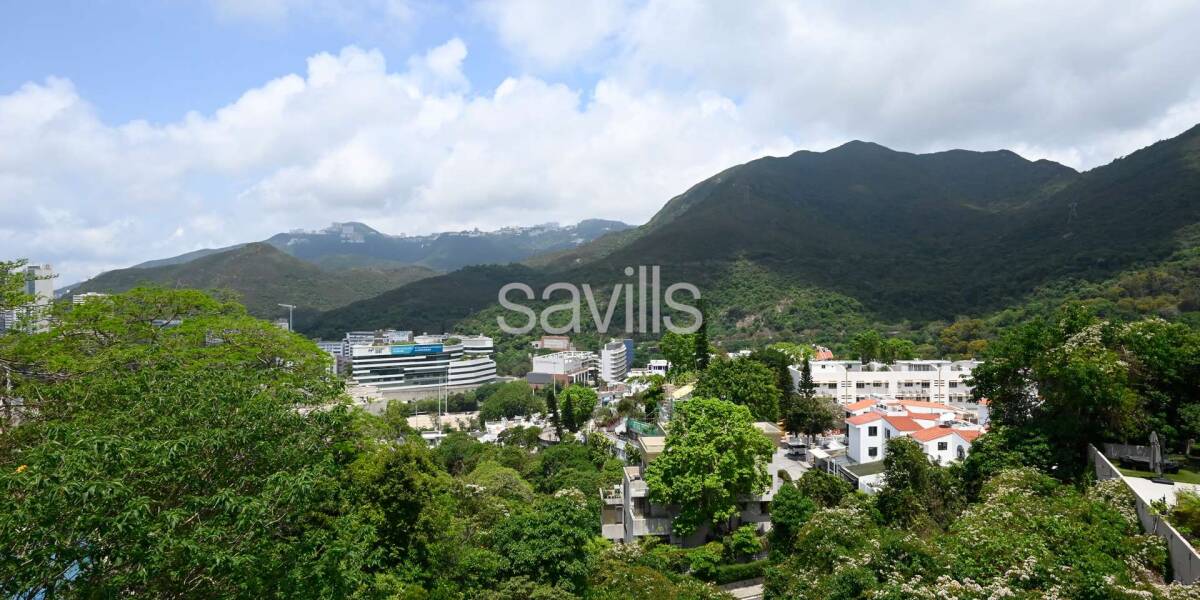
{"x": 737, "y": 572}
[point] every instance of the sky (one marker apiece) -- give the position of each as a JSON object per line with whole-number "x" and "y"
{"x": 143, "y": 129}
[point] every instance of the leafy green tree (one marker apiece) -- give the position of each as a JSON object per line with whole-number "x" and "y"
{"x": 680, "y": 351}
{"x": 512, "y": 399}
{"x": 578, "y": 404}
{"x": 460, "y": 453}
{"x": 1080, "y": 379}
{"x": 894, "y": 349}
{"x": 713, "y": 455}
{"x": 778, "y": 362}
{"x": 653, "y": 397}
{"x": 916, "y": 492}
{"x": 500, "y": 481}
{"x": 790, "y": 510}
{"x": 742, "y": 381}
{"x": 826, "y": 489}
{"x": 810, "y": 416}
{"x": 742, "y": 543}
{"x": 549, "y": 543}
{"x": 867, "y": 345}
{"x": 163, "y": 459}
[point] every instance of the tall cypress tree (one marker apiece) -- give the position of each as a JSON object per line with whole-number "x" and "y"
{"x": 702, "y": 337}
{"x": 567, "y": 414}
{"x": 552, "y": 404}
{"x": 806, "y": 388}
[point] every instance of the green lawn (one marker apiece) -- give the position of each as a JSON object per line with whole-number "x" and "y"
{"x": 1188, "y": 473}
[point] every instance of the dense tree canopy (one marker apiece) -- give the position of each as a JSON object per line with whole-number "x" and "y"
{"x": 742, "y": 381}
{"x": 714, "y": 454}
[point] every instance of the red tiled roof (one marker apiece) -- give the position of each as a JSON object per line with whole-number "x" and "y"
{"x": 864, "y": 418}
{"x": 933, "y": 433}
{"x": 923, "y": 416}
{"x": 861, "y": 404}
{"x": 922, "y": 404}
{"x": 903, "y": 423}
{"x": 968, "y": 434}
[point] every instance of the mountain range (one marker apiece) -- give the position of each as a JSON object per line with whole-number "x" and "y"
{"x": 815, "y": 245}
{"x": 320, "y": 270}
{"x": 862, "y": 235}
{"x": 352, "y": 244}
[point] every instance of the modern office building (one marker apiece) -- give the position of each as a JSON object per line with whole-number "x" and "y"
{"x": 34, "y": 315}
{"x": 628, "y": 354}
{"x": 849, "y": 381}
{"x": 613, "y": 366}
{"x": 427, "y": 363}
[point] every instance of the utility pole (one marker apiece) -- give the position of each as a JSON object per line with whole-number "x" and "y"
{"x": 290, "y": 308}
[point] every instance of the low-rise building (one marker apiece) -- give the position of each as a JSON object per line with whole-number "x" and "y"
{"x": 942, "y": 432}
{"x": 567, "y": 367}
{"x": 850, "y": 381}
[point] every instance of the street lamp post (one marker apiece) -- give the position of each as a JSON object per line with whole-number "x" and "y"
{"x": 290, "y": 308}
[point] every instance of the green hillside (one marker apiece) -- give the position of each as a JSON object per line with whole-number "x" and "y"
{"x": 263, "y": 277}
{"x": 820, "y": 246}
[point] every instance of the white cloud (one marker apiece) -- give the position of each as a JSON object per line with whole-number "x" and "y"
{"x": 1070, "y": 79}
{"x": 681, "y": 90}
{"x": 411, "y": 151}
{"x": 553, "y": 34}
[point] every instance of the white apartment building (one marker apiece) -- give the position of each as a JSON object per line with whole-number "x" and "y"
{"x": 573, "y": 366}
{"x": 86, "y": 296}
{"x": 427, "y": 363}
{"x": 849, "y": 381}
{"x": 613, "y": 365}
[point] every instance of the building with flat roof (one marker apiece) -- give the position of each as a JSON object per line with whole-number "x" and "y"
{"x": 426, "y": 363}
{"x": 612, "y": 364}
{"x": 567, "y": 367}
{"x": 849, "y": 381}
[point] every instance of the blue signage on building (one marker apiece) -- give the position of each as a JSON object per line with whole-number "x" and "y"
{"x": 416, "y": 349}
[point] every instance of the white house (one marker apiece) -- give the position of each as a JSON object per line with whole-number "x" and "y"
{"x": 940, "y": 430}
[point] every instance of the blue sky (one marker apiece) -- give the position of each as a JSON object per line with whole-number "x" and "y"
{"x": 139, "y": 130}
{"x": 159, "y": 59}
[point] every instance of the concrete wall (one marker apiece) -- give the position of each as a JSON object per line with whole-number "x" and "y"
{"x": 1185, "y": 563}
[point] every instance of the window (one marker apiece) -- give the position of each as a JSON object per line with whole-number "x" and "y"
{"x": 872, "y": 431}
{"x": 832, "y": 386}
{"x": 962, "y": 453}
{"x": 953, "y": 384}
{"x": 943, "y": 446}
{"x": 887, "y": 434}
{"x": 925, "y": 384}
{"x": 873, "y": 451}
{"x": 860, "y": 385}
